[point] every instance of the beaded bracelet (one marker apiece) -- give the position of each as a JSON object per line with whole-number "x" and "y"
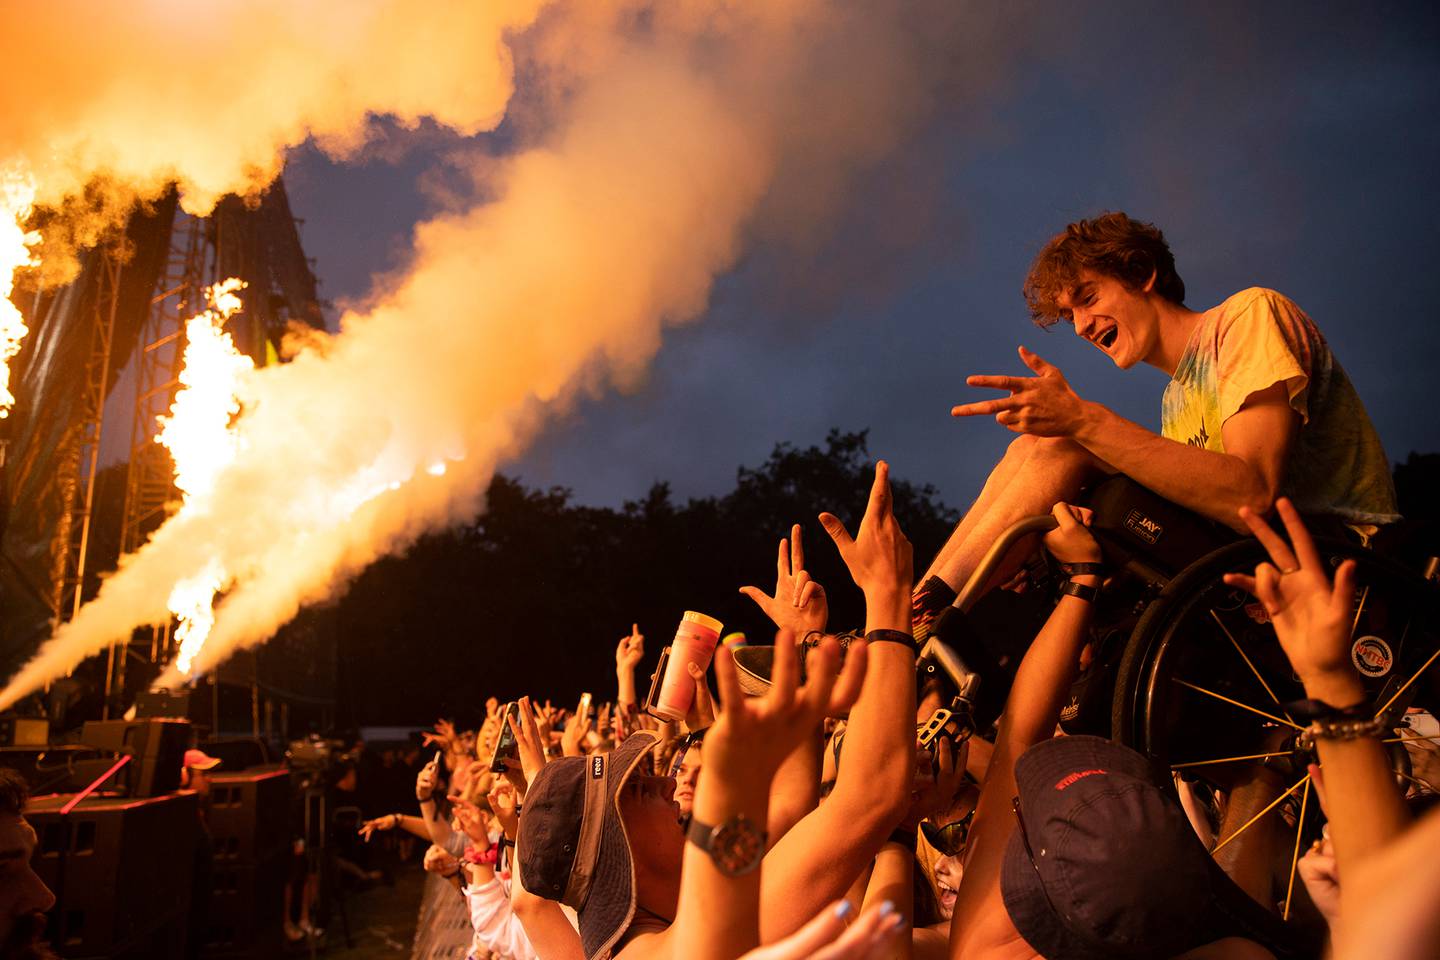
{"x": 1335, "y": 723}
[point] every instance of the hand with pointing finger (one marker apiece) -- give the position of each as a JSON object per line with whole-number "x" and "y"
{"x": 1043, "y": 405}
{"x": 879, "y": 557}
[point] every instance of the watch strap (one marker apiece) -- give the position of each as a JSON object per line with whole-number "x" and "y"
{"x": 703, "y": 835}
{"x": 700, "y": 834}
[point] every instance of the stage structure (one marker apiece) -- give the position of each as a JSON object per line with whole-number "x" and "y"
{"x": 104, "y": 354}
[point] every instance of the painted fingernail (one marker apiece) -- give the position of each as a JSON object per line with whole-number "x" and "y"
{"x": 887, "y": 908}
{"x": 843, "y": 910}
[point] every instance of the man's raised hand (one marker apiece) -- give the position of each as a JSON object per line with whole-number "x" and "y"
{"x": 799, "y": 604}
{"x": 1043, "y": 405}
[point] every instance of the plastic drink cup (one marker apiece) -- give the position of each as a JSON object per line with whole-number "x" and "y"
{"x": 695, "y": 641}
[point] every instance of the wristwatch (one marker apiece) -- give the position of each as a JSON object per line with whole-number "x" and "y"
{"x": 736, "y": 846}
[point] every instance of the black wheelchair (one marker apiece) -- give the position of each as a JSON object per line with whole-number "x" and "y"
{"x": 1188, "y": 670}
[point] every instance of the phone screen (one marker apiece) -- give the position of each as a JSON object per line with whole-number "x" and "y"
{"x": 653, "y": 697}
{"x": 505, "y": 747}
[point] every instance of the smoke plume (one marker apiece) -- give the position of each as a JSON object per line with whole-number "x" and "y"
{"x": 652, "y": 142}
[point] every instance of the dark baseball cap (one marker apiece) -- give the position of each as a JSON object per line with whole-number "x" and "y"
{"x": 1104, "y": 865}
{"x": 572, "y": 844}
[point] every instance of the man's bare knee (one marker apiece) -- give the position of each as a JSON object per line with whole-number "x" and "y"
{"x": 1021, "y": 447}
{"x": 1059, "y": 448}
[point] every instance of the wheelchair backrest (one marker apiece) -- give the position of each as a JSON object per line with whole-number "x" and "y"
{"x": 1134, "y": 523}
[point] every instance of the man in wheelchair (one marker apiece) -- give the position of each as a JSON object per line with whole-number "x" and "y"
{"x": 1257, "y": 405}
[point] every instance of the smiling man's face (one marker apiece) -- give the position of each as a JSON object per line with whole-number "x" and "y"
{"x": 1122, "y": 323}
{"x": 24, "y": 898}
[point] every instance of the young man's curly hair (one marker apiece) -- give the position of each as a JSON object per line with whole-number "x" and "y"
{"x": 1111, "y": 244}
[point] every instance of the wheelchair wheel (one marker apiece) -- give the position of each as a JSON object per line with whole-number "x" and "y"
{"x": 1203, "y": 680}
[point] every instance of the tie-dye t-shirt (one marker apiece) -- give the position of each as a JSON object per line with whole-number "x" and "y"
{"x": 1257, "y": 339}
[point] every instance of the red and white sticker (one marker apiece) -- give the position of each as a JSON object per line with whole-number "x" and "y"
{"x": 1372, "y": 656}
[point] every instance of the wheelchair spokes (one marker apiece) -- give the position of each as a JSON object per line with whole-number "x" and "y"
{"x": 1295, "y": 854}
{"x": 1248, "y": 662}
{"x": 1234, "y": 703}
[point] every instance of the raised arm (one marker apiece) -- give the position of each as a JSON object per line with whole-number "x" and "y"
{"x": 799, "y": 606}
{"x": 822, "y": 854}
{"x": 1031, "y": 712}
{"x": 546, "y": 926}
{"x": 718, "y": 914}
{"x": 1257, "y": 440}
{"x": 628, "y": 654}
{"x": 1312, "y": 619}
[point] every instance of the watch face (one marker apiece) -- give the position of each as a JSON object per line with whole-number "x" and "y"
{"x": 737, "y": 846}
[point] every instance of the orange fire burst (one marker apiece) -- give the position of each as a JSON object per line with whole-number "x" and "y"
{"x": 17, "y": 193}
{"x": 202, "y": 440}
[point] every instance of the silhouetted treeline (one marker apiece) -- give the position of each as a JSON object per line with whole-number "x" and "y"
{"x": 534, "y": 595}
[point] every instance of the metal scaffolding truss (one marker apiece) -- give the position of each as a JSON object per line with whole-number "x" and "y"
{"x": 149, "y": 478}
{"x": 75, "y": 526}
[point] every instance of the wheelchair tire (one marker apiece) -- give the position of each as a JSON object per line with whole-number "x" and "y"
{"x": 1192, "y": 632}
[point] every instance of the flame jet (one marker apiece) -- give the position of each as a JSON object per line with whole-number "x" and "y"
{"x": 202, "y": 443}
{"x": 659, "y": 139}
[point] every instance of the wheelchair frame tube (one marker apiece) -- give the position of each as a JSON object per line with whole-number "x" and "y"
{"x": 989, "y": 563}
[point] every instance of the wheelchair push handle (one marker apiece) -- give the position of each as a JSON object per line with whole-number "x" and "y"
{"x": 996, "y": 555}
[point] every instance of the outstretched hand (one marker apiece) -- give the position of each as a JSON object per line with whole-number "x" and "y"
{"x": 573, "y": 736}
{"x": 827, "y": 937}
{"x": 1310, "y": 614}
{"x": 754, "y": 734}
{"x": 879, "y": 557}
{"x": 528, "y": 743}
{"x": 631, "y": 649}
{"x": 799, "y": 603}
{"x": 1044, "y": 405}
{"x": 425, "y": 779}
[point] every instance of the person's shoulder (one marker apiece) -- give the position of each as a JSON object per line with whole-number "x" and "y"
{"x": 1256, "y": 308}
{"x": 1251, "y": 297}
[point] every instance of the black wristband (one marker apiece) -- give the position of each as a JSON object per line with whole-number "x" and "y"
{"x": 903, "y": 837}
{"x": 893, "y": 636}
{"x": 1081, "y": 590}
{"x": 1309, "y": 711}
{"x": 1081, "y": 569}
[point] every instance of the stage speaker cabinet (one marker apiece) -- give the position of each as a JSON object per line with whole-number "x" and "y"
{"x": 249, "y": 822}
{"x": 158, "y": 747}
{"x": 121, "y": 873}
{"x": 250, "y": 814}
{"x": 24, "y": 732}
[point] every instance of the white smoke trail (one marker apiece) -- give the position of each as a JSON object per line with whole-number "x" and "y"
{"x": 655, "y": 135}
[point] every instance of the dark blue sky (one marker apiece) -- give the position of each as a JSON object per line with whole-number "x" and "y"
{"x": 1288, "y": 145}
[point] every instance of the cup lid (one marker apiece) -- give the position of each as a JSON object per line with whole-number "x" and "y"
{"x": 709, "y": 623}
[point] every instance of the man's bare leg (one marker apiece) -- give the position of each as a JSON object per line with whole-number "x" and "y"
{"x": 1034, "y": 475}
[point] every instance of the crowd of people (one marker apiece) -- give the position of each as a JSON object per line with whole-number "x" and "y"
{"x": 801, "y": 818}
{"x": 814, "y": 808}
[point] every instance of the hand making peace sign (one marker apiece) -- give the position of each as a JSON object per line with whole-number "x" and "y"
{"x": 1043, "y": 405}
